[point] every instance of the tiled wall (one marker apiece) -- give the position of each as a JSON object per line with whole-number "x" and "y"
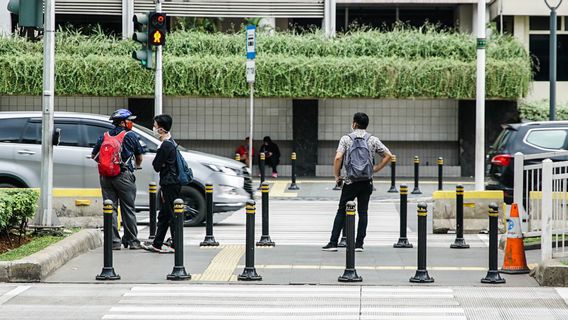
{"x": 97, "y": 105}
{"x": 228, "y": 119}
{"x": 392, "y": 120}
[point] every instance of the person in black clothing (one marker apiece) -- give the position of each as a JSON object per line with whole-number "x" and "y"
{"x": 122, "y": 188}
{"x": 165, "y": 163}
{"x": 271, "y": 153}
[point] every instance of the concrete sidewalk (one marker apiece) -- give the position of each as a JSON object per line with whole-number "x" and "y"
{"x": 299, "y": 229}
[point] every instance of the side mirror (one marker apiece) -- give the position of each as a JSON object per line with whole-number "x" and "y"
{"x": 56, "y": 136}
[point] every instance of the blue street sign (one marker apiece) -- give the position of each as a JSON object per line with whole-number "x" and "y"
{"x": 251, "y": 42}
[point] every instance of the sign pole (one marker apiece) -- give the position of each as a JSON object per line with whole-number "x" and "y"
{"x": 480, "y": 104}
{"x": 158, "y": 81}
{"x": 251, "y": 74}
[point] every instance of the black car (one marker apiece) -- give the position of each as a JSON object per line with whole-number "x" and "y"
{"x": 527, "y": 138}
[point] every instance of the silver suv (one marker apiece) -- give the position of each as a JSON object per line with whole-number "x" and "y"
{"x": 20, "y": 162}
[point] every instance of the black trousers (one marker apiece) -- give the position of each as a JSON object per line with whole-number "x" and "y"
{"x": 166, "y": 215}
{"x": 362, "y": 192}
{"x": 272, "y": 162}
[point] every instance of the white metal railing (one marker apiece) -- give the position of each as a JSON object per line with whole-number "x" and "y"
{"x": 541, "y": 192}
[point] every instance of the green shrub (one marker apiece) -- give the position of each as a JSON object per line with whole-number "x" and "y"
{"x": 540, "y": 110}
{"x": 17, "y": 206}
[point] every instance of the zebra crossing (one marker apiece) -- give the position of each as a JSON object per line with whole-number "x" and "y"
{"x": 310, "y": 222}
{"x": 253, "y": 302}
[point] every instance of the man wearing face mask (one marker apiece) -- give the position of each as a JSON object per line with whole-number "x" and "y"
{"x": 165, "y": 163}
{"x": 118, "y": 182}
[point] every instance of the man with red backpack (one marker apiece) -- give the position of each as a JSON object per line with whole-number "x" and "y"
{"x": 114, "y": 152}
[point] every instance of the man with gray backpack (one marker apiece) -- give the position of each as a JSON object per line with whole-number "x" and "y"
{"x": 356, "y": 152}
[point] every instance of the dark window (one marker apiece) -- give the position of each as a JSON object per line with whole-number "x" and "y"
{"x": 32, "y": 133}
{"x": 94, "y": 132}
{"x": 69, "y": 134}
{"x": 11, "y": 129}
{"x": 542, "y": 23}
{"x": 539, "y": 47}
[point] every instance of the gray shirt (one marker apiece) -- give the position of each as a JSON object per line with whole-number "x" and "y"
{"x": 375, "y": 145}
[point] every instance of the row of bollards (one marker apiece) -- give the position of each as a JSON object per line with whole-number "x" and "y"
{"x": 416, "y": 161}
{"x": 262, "y": 169}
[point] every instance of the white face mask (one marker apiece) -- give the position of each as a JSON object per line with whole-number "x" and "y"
{"x": 352, "y": 129}
{"x": 156, "y": 132}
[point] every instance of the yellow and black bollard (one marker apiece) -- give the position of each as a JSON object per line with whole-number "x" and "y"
{"x": 237, "y": 157}
{"x": 108, "y": 270}
{"x": 293, "y": 185}
{"x": 493, "y": 275}
{"x": 393, "y": 175}
{"x": 152, "y": 192}
{"x": 350, "y": 273}
{"x": 209, "y": 240}
{"x": 440, "y": 173}
{"x": 265, "y": 240}
{"x": 416, "y": 176}
{"x": 459, "y": 243}
{"x": 421, "y": 275}
{"x": 262, "y": 167}
{"x": 249, "y": 273}
{"x": 178, "y": 272}
{"x": 403, "y": 240}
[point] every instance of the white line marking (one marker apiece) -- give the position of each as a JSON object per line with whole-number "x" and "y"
{"x": 233, "y": 317}
{"x": 12, "y": 293}
{"x": 242, "y": 310}
{"x": 563, "y": 292}
{"x": 418, "y": 310}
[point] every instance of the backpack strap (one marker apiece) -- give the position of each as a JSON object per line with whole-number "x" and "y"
{"x": 121, "y": 136}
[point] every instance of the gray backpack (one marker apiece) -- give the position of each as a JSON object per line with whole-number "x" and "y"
{"x": 358, "y": 159}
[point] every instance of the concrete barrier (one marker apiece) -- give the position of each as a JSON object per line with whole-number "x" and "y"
{"x": 476, "y": 204}
{"x": 79, "y": 207}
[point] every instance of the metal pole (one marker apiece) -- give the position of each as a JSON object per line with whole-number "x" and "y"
{"x": 178, "y": 272}
{"x": 553, "y": 58}
{"x": 158, "y": 82}
{"x": 350, "y": 273}
{"x": 153, "y": 189}
{"x": 440, "y": 173}
{"x": 480, "y": 99}
{"x": 393, "y": 175}
{"x": 422, "y": 275}
{"x": 493, "y": 275}
{"x": 251, "y": 113}
{"x": 265, "y": 240}
{"x": 209, "y": 240}
{"x": 403, "y": 240}
{"x": 293, "y": 185}
{"x": 108, "y": 271}
{"x": 261, "y": 166}
{"x": 249, "y": 273}
{"x": 416, "y": 176}
{"x": 459, "y": 243}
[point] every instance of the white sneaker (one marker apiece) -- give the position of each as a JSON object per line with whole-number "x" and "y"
{"x": 360, "y": 249}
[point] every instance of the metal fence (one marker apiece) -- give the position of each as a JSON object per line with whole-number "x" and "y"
{"x": 540, "y": 190}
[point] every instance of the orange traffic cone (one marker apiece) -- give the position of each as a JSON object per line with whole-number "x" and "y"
{"x": 515, "y": 260}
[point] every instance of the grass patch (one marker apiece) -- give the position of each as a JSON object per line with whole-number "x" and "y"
{"x": 564, "y": 262}
{"x": 37, "y": 244}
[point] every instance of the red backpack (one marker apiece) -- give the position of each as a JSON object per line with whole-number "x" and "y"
{"x": 110, "y": 157}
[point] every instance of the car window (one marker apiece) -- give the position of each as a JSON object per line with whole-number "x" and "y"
{"x": 32, "y": 133}
{"x": 502, "y": 139}
{"x": 69, "y": 134}
{"x": 11, "y": 129}
{"x": 547, "y": 139}
{"x": 146, "y": 144}
{"x": 93, "y": 133}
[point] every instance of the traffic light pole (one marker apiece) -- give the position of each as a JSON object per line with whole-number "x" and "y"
{"x": 45, "y": 218}
{"x": 158, "y": 81}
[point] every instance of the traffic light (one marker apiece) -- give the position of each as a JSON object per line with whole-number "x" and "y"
{"x": 30, "y": 12}
{"x": 145, "y": 54}
{"x": 157, "y": 31}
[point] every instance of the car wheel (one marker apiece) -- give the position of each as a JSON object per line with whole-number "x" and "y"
{"x": 195, "y": 206}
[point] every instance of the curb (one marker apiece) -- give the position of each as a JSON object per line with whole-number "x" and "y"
{"x": 551, "y": 273}
{"x": 39, "y": 265}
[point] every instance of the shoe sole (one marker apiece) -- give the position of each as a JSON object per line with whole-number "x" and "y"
{"x": 330, "y": 250}
{"x": 359, "y": 250}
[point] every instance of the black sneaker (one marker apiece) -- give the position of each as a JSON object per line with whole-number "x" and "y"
{"x": 135, "y": 246}
{"x": 342, "y": 243}
{"x": 359, "y": 249}
{"x": 169, "y": 243}
{"x": 329, "y": 247}
{"x": 116, "y": 246}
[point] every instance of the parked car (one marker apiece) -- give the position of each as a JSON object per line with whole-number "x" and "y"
{"x": 20, "y": 162}
{"x": 527, "y": 138}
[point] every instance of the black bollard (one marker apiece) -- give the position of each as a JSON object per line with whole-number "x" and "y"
{"x": 440, "y": 173}
{"x": 421, "y": 275}
{"x": 249, "y": 273}
{"x": 293, "y": 186}
{"x": 416, "y": 175}
{"x": 152, "y": 192}
{"x": 108, "y": 270}
{"x": 265, "y": 240}
{"x": 262, "y": 167}
{"x": 493, "y": 275}
{"x": 178, "y": 272}
{"x": 350, "y": 274}
{"x": 459, "y": 243}
{"x": 393, "y": 175}
{"x": 403, "y": 240}
{"x": 209, "y": 240}
{"x": 237, "y": 157}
